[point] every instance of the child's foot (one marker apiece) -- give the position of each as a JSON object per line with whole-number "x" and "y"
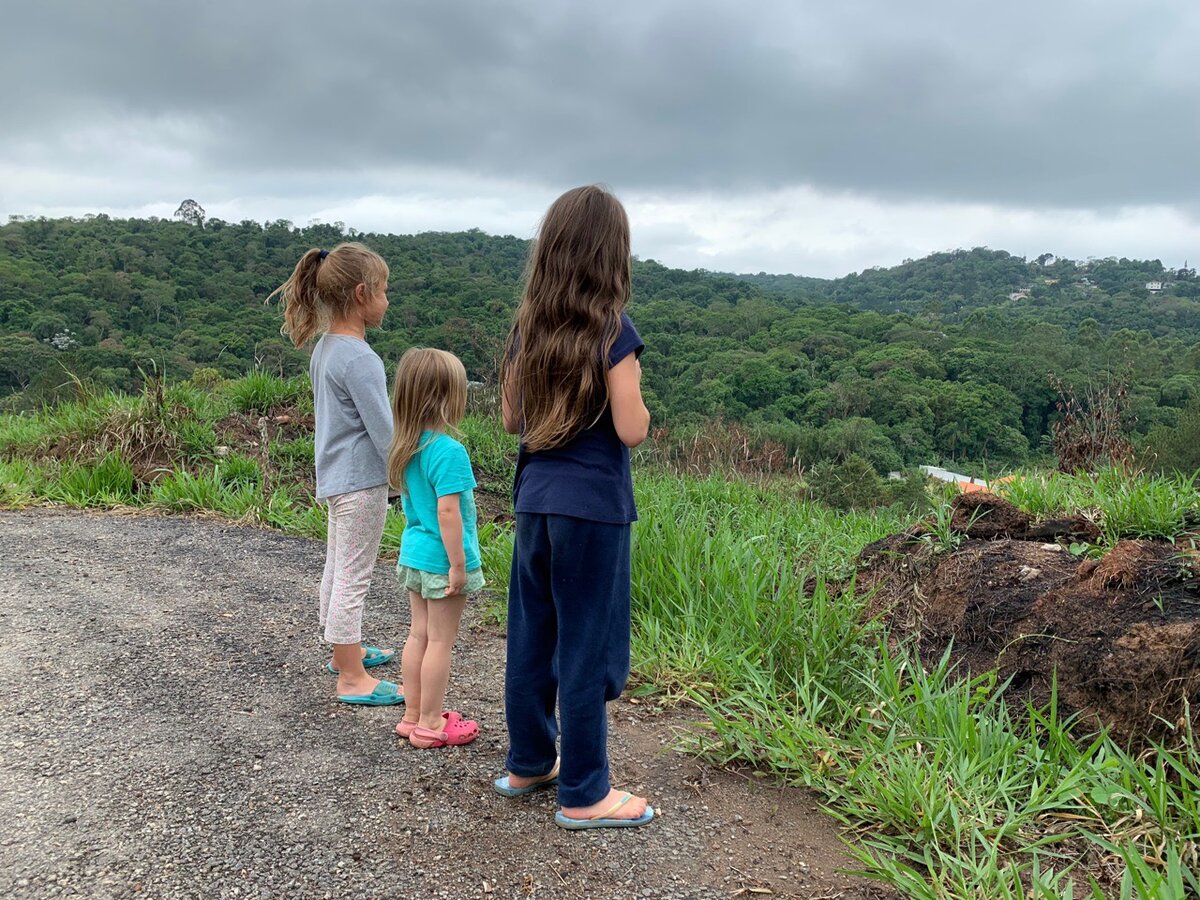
{"x": 617, "y": 806}
{"x": 371, "y": 657}
{"x": 455, "y": 732}
{"x": 405, "y": 726}
{"x": 355, "y": 685}
{"x": 385, "y": 693}
{"x": 520, "y": 782}
{"x": 519, "y": 785}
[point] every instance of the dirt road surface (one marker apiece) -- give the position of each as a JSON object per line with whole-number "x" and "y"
{"x": 166, "y": 730}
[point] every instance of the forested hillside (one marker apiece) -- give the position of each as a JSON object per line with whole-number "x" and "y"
{"x": 954, "y": 285}
{"x": 929, "y": 361}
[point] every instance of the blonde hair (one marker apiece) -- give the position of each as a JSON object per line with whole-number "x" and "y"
{"x": 577, "y": 282}
{"x": 322, "y": 287}
{"x": 429, "y": 394}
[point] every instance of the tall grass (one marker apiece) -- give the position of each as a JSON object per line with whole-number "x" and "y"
{"x": 22, "y": 483}
{"x": 1123, "y": 504}
{"x": 261, "y": 392}
{"x": 493, "y": 452}
{"x": 106, "y": 483}
{"x": 183, "y": 491}
{"x": 948, "y": 792}
{"x": 719, "y": 567}
{"x": 74, "y": 423}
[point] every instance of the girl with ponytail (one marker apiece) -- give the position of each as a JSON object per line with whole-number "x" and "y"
{"x": 337, "y": 295}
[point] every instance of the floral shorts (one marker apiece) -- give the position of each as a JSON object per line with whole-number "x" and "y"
{"x": 432, "y": 585}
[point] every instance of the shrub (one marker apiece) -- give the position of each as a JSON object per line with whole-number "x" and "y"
{"x": 1093, "y": 429}
{"x": 849, "y": 484}
{"x": 207, "y": 378}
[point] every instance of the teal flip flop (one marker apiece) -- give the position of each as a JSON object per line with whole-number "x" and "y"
{"x": 603, "y": 820}
{"x": 502, "y": 785}
{"x": 375, "y": 657}
{"x": 385, "y": 694}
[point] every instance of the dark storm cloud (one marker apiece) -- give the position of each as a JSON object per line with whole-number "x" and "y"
{"x": 1078, "y": 105}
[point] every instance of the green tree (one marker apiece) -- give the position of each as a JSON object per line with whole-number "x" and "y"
{"x": 1177, "y": 449}
{"x": 22, "y": 358}
{"x": 1178, "y": 390}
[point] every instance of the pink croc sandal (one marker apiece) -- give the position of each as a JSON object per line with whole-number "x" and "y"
{"x": 404, "y": 728}
{"x": 456, "y": 732}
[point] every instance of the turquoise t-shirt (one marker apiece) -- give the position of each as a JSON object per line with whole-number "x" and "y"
{"x": 439, "y": 468}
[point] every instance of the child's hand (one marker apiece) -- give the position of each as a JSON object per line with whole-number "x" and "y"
{"x": 458, "y": 580}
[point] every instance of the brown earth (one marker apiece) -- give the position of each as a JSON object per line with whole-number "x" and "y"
{"x": 1122, "y": 632}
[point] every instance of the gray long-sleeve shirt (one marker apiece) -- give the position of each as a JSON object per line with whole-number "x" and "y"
{"x": 353, "y": 413}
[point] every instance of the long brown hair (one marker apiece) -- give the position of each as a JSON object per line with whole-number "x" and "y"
{"x": 322, "y": 288}
{"x": 429, "y": 394}
{"x": 576, "y": 285}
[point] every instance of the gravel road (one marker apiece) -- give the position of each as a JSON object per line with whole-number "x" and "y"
{"x": 166, "y": 731}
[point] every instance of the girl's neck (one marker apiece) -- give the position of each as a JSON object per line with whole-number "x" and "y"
{"x": 350, "y": 326}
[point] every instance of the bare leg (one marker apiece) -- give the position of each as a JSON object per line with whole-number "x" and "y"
{"x": 352, "y": 677}
{"x": 413, "y": 656}
{"x": 444, "y": 617}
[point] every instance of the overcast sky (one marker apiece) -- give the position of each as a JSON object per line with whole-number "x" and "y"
{"x": 790, "y": 136}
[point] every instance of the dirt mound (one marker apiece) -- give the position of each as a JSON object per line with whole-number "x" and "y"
{"x": 1122, "y": 632}
{"x": 247, "y": 432}
{"x": 984, "y": 515}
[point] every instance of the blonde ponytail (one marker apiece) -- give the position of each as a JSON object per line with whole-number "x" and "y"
{"x": 322, "y": 286}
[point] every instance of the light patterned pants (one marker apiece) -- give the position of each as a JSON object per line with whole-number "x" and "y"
{"x": 355, "y": 528}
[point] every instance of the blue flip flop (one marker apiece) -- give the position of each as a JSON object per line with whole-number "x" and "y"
{"x": 502, "y": 786}
{"x": 385, "y": 694}
{"x": 603, "y": 820}
{"x": 375, "y": 657}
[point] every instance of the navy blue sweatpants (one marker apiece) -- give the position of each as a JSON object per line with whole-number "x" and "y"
{"x": 568, "y": 638}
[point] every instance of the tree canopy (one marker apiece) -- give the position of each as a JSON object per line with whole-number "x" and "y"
{"x": 940, "y": 359}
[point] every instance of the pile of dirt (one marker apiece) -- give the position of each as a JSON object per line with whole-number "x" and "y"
{"x": 248, "y": 432}
{"x": 1122, "y": 632}
{"x": 144, "y": 435}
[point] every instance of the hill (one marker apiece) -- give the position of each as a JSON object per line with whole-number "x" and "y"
{"x": 926, "y": 362}
{"x": 950, "y": 286}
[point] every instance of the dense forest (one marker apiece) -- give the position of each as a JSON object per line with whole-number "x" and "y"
{"x": 951, "y": 286}
{"x": 944, "y": 359}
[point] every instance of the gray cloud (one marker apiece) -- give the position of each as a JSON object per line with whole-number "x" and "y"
{"x": 1023, "y": 103}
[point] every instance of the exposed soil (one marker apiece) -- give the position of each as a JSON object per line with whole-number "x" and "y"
{"x": 493, "y": 506}
{"x": 166, "y": 730}
{"x": 1121, "y": 632}
{"x": 247, "y": 431}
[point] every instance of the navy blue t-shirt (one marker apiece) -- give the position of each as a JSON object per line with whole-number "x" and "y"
{"x": 588, "y": 477}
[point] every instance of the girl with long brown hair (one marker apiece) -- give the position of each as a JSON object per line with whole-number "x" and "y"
{"x": 571, "y": 387}
{"x": 439, "y": 550}
{"x": 338, "y": 294}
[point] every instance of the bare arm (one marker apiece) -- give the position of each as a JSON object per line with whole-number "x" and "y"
{"x": 630, "y": 416}
{"x": 450, "y": 524}
{"x": 508, "y": 409}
